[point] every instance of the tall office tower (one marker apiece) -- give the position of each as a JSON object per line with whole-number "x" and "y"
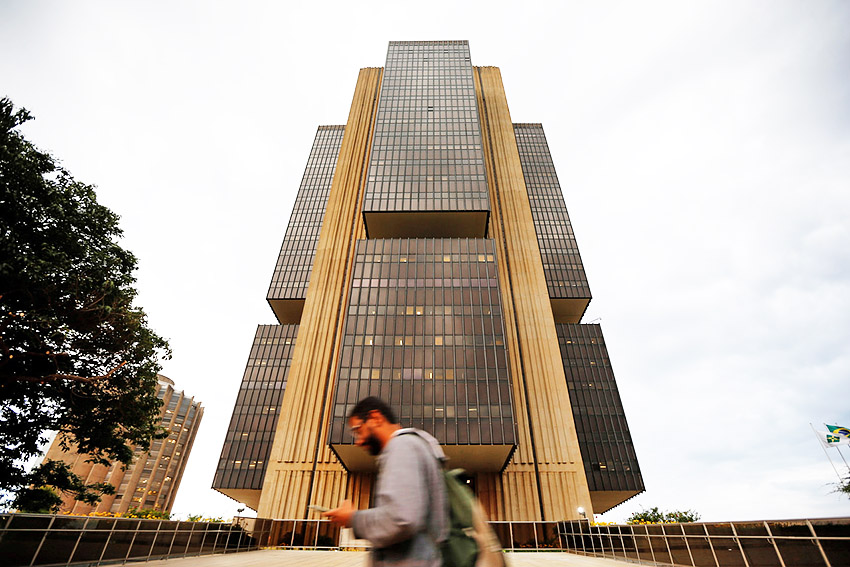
{"x": 152, "y": 480}
{"x": 430, "y": 261}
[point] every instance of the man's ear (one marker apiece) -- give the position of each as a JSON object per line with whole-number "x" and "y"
{"x": 377, "y": 416}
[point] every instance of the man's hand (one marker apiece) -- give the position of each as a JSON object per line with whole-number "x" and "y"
{"x": 341, "y": 516}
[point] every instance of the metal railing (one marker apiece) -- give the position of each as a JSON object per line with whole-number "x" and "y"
{"x": 32, "y": 539}
{"x": 775, "y": 543}
{"x": 789, "y": 543}
{"x": 38, "y": 539}
{"x": 296, "y": 534}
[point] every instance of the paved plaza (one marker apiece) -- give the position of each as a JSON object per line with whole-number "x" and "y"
{"x": 284, "y": 558}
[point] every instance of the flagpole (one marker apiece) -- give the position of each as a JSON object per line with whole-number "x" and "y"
{"x": 842, "y": 457}
{"x": 815, "y": 433}
{"x": 840, "y": 454}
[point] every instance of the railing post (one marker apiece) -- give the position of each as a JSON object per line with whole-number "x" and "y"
{"x": 38, "y": 549}
{"x": 132, "y": 543}
{"x": 590, "y": 535}
{"x": 106, "y": 543}
{"x": 708, "y": 538}
{"x": 622, "y": 541}
{"x": 173, "y": 537}
{"x": 634, "y": 541}
{"x": 666, "y": 542}
{"x": 607, "y": 534}
{"x": 649, "y": 537}
{"x": 222, "y": 537}
{"x": 817, "y": 542}
{"x": 203, "y": 538}
{"x": 141, "y": 528}
{"x": 215, "y": 537}
{"x": 580, "y": 536}
{"x": 79, "y": 538}
{"x": 688, "y": 546}
{"x": 189, "y": 539}
{"x": 581, "y": 531}
{"x": 740, "y": 547}
{"x": 772, "y": 540}
{"x": 534, "y": 529}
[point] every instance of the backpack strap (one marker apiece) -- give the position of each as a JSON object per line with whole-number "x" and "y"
{"x": 437, "y": 451}
{"x": 434, "y": 445}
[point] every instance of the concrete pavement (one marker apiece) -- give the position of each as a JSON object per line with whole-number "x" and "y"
{"x": 287, "y": 557}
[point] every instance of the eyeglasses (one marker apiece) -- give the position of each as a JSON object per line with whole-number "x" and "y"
{"x": 354, "y": 430}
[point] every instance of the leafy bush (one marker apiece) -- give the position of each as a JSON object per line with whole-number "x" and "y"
{"x": 656, "y": 516}
{"x": 146, "y": 513}
{"x": 40, "y": 500}
{"x": 202, "y": 518}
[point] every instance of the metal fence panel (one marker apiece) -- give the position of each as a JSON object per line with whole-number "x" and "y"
{"x": 51, "y": 540}
{"x": 118, "y": 546}
{"x": 39, "y": 539}
{"x": 699, "y": 545}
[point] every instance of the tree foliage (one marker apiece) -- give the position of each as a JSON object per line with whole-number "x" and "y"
{"x": 843, "y": 487}
{"x": 75, "y": 355}
{"x": 147, "y": 513}
{"x": 656, "y": 516}
{"x": 41, "y": 500}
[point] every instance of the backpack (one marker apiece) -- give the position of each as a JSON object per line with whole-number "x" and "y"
{"x": 460, "y": 548}
{"x": 471, "y": 541}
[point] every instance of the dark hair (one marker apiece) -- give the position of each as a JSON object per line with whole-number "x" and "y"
{"x": 367, "y": 405}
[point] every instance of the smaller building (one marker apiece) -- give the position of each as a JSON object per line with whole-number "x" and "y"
{"x": 151, "y": 481}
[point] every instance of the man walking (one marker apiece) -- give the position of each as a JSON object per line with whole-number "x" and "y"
{"x": 410, "y": 516}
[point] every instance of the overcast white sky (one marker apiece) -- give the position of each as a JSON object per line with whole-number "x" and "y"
{"x": 703, "y": 149}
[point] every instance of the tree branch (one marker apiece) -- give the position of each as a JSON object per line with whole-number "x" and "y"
{"x": 91, "y": 306}
{"x": 71, "y": 377}
{"x": 47, "y": 354}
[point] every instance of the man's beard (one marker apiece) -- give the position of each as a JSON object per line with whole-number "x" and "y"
{"x": 373, "y": 445}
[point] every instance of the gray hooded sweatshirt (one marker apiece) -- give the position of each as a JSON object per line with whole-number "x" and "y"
{"x": 410, "y": 516}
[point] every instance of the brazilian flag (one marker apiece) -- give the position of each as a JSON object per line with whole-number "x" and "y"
{"x": 838, "y": 430}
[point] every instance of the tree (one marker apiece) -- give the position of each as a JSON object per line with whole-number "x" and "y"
{"x": 41, "y": 500}
{"x": 656, "y": 516}
{"x": 75, "y": 355}
{"x": 843, "y": 487}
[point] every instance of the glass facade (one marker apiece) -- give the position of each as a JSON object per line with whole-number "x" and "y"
{"x": 413, "y": 313}
{"x": 603, "y": 434}
{"x": 562, "y": 264}
{"x": 424, "y": 332}
{"x": 251, "y": 431}
{"x": 161, "y": 467}
{"x": 152, "y": 479}
{"x": 295, "y": 262}
{"x": 426, "y": 152}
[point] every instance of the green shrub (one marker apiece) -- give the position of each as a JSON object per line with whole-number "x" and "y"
{"x": 147, "y": 513}
{"x": 656, "y": 516}
{"x": 39, "y": 500}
